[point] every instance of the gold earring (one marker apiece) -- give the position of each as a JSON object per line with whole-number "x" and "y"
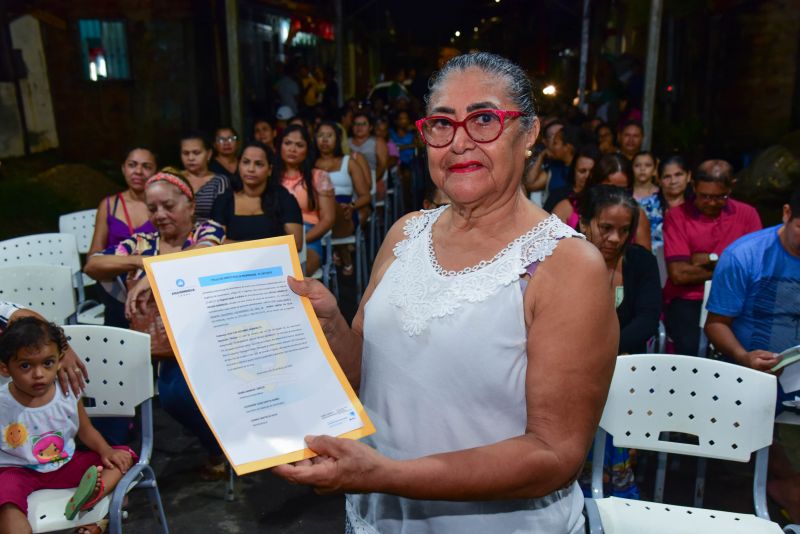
{"x": 528, "y": 153}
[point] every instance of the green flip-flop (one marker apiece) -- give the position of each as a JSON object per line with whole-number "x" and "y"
{"x": 83, "y": 493}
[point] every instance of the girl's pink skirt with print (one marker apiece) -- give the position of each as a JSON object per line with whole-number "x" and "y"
{"x": 16, "y": 483}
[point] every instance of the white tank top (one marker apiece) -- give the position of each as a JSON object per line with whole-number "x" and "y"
{"x": 342, "y": 182}
{"x": 443, "y": 369}
{"x": 368, "y": 150}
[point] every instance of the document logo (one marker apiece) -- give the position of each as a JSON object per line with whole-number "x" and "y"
{"x": 180, "y": 282}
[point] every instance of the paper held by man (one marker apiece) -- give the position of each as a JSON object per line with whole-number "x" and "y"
{"x": 253, "y": 352}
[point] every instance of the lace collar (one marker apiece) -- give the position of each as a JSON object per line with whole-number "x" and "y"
{"x": 423, "y": 290}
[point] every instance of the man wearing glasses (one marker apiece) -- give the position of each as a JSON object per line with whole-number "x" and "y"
{"x": 695, "y": 234}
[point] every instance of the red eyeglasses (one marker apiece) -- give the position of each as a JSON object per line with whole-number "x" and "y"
{"x": 483, "y": 126}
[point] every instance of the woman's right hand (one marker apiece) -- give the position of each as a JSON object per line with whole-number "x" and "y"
{"x": 138, "y": 295}
{"x": 322, "y": 300}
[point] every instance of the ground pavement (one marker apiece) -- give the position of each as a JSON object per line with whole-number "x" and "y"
{"x": 265, "y": 503}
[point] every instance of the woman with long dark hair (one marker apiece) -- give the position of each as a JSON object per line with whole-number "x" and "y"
{"x": 312, "y": 188}
{"x": 564, "y": 202}
{"x": 257, "y": 207}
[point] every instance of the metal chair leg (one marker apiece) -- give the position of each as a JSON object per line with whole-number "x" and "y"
{"x": 661, "y": 475}
{"x": 230, "y": 485}
{"x": 700, "y": 483}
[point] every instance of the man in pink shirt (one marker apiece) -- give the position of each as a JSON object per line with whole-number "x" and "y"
{"x": 695, "y": 234}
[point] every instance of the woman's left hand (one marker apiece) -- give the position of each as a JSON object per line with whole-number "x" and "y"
{"x": 342, "y": 465}
{"x": 72, "y": 373}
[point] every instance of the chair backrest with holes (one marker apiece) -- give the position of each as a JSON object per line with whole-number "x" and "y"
{"x": 46, "y": 289}
{"x": 41, "y": 249}
{"x": 729, "y": 408}
{"x": 120, "y": 371}
{"x": 81, "y": 225}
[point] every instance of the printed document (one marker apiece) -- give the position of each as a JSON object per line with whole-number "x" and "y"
{"x": 253, "y": 352}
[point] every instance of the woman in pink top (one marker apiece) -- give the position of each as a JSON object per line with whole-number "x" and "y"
{"x": 295, "y": 170}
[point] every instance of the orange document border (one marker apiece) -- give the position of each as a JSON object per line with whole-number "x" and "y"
{"x": 242, "y": 469}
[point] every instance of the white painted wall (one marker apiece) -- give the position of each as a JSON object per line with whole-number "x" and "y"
{"x": 26, "y": 36}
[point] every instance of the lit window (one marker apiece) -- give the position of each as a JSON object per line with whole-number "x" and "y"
{"x": 104, "y": 50}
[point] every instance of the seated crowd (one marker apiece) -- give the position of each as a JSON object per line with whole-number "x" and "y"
{"x": 310, "y": 176}
{"x": 627, "y": 202}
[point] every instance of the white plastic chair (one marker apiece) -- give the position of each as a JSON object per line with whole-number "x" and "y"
{"x": 81, "y": 225}
{"x": 53, "y": 249}
{"x": 726, "y": 408}
{"x": 120, "y": 379}
{"x": 46, "y": 289}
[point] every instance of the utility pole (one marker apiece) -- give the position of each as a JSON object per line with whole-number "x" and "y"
{"x": 584, "y": 58}
{"x": 234, "y": 68}
{"x": 338, "y": 32}
{"x": 651, "y": 74}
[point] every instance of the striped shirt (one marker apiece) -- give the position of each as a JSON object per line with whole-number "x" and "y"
{"x": 204, "y": 197}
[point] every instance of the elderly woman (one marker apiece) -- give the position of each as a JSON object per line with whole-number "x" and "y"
{"x": 170, "y": 201}
{"x": 468, "y": 338}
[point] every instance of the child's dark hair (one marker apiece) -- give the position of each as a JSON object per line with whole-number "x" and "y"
{"x": 29, "y": 332}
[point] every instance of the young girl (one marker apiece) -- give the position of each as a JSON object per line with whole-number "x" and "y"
{"x": 644, "y": 175}
{"x": 39, "y": 424}
{"x": 647, "y": 193}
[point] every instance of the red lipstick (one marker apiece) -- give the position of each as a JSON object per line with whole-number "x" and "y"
{"x": 465, "y": 166}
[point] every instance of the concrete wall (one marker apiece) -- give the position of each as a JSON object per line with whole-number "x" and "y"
{"x": 35, "y": 88}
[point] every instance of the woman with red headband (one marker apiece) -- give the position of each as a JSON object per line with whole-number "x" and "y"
{"x": 170, "y": 203}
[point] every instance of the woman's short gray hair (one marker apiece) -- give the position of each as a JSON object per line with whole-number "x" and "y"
{"x": 517, "y": 82}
